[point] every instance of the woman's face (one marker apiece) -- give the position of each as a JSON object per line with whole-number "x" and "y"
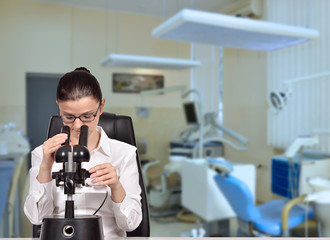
{"x": 83, "y": 108}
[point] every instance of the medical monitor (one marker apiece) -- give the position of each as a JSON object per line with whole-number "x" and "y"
{"x": 191, "y": 111}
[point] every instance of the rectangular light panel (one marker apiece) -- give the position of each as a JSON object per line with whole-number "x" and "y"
{"x": 135, "y": 61}
{"x": 229, "y": 31}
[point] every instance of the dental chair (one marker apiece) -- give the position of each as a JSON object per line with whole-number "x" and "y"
{"x": 120, "y": 128}
{"x": 274, "y": 218}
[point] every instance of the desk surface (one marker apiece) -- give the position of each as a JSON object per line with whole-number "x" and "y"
{"x": 184, "y": 238}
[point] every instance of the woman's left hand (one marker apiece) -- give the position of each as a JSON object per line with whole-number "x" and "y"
{"x": 106, "y": 175}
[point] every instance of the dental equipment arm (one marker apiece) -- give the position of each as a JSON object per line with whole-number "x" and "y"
{"x": 210, "y": 119}
{"x": 217, "y": 139}
{"x": 201, "y": 112}
{"x": 298, "y": 143}
{"x": 232, "y": 134}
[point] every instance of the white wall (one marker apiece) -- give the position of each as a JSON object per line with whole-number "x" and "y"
{"x": 49, "y": 38}
{"x": 245, "y": 112}
{"x": 307, "y": 107}
{"x": 42, "y": 37}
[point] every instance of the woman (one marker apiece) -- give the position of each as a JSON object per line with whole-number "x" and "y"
{"x": 112, "y": 163}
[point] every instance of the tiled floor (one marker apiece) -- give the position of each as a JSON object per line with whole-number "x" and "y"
{"x": 169, "y": 227}
{"x": 309, "y": 229}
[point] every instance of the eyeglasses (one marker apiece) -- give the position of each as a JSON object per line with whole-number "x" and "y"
{"x": 83, "y": 118}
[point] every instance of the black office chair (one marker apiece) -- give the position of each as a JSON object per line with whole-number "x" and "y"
{"x": 120, "y": 128}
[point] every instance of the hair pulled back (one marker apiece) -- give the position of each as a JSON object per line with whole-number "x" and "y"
{"x": 78, "y": 84}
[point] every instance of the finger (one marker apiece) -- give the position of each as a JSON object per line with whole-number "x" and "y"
{"x": 100, "y": 179}
{"x": 99, "y": 167}
{"x": 59, "y": 136}
{"x": 51, "y": 147}
{"x": 109, "y": 175}
{"x": 58, "y": 139}
{"x": 104, "y": 171}
{"x": 106, "y": 182}
{"x": 52, "y": 144}
{"x": 101, "y": 172}
{"x": 48, "y": 148}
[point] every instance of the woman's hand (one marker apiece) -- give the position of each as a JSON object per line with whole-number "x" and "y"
{"x": 105, "y": 174}
{"x": 49, "y": 148}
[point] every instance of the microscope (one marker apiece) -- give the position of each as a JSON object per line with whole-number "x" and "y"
{"x": 70, "y": 226}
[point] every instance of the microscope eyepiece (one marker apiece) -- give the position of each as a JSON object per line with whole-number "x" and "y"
{"x": 66, "y": 129}
{"x": 83, "y": 137}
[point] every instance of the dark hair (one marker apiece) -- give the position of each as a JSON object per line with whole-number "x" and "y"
{"x": 78, "y": 84}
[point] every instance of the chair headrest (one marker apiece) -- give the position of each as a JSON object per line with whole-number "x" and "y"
{"x": 221, "y": 166}
{"x": 118, "y": 127}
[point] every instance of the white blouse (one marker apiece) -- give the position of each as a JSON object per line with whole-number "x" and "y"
{"x": 45, "y": 199}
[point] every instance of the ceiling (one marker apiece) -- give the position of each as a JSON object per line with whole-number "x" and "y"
{"x": 158, "y": 8}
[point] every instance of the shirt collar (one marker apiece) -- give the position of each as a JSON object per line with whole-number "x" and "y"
{"x": 104, "y": 143}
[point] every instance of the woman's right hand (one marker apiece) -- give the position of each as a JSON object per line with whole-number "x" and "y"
{"x": 49, "y": 148}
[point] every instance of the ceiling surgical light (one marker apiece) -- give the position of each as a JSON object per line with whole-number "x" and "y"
{"x": 278, "y": 99}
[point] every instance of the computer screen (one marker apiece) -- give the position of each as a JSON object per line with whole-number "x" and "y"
{"x": 191, "y": 112}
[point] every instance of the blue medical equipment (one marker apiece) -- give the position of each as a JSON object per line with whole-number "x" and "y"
{"x": 6, "y": 172}
{"x": 289, "y": 176}
{"x": 274, "y": 218}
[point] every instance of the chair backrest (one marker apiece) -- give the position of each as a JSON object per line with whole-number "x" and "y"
{"x": 120, "y": 128}
{"x": 238, "y": 196}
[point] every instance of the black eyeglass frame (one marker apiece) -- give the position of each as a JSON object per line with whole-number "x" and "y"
{"x": 94, "y": 116}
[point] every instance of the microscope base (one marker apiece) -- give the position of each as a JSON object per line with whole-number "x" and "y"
{"x": 80, "y": 227}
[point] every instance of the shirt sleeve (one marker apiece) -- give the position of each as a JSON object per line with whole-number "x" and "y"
{"x": 128, "y": 213}
{"x": 39, "y": 201}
